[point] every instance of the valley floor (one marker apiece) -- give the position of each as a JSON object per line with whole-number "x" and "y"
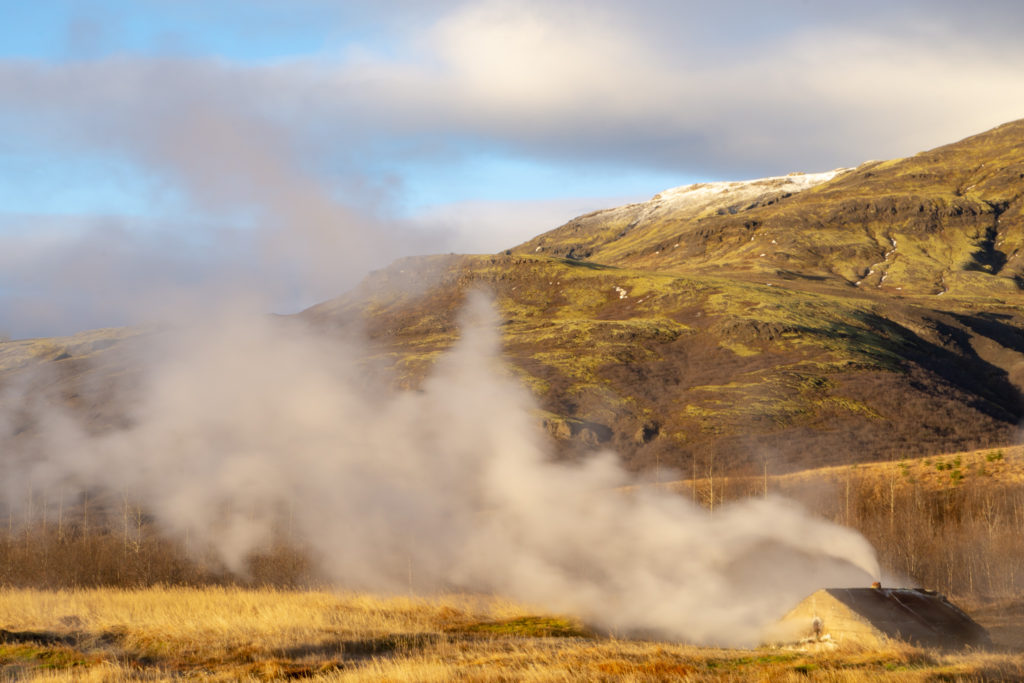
{"x": 236, "y": 634}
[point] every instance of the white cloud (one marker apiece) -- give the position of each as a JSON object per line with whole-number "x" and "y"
{"x": 568, "y": 83}
{"x": 595, "y": 82}
{"x": 514, "y": 58}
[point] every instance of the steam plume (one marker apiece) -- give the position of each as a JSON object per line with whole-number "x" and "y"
{"x": 247, "y": 421}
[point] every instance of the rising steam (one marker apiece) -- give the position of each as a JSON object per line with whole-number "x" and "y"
{"x": 246, "y": 423}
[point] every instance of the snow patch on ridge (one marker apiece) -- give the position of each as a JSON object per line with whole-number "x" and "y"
{"x": 739, "y": 190}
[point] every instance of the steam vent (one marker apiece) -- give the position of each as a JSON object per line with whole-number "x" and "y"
{"x": 869, "y": 617}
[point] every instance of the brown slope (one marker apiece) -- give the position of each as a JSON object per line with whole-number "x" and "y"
{"x": 939, "y": 222}
{"x": 682, "y": 370}
{"x": 677, "y": 355}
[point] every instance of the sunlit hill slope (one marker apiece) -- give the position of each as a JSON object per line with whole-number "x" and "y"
{"x": 806, "y": 320}
{"x": 813, "y": 319}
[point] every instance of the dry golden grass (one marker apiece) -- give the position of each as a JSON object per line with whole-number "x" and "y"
{"x": 1001, "y": 464}
{"x": 234, "y": 634}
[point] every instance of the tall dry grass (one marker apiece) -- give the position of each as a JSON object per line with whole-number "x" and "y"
{"x": 228, "y": 634}
{"x": 110, "y": 598}
{"x": 230, "y": 630}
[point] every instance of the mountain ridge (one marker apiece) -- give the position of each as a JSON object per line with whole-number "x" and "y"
{"x": 875, "y": 310}
{"x": 839, "y": 229}
{"x": 809, "y": 320}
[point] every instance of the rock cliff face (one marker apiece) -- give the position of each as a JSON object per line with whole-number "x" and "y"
{"x": 815, "y": 319}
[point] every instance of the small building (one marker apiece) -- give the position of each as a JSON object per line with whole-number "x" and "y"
{"x": 873, "y": 617}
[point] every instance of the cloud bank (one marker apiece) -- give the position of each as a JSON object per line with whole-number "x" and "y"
{"x": 714, "y": 88}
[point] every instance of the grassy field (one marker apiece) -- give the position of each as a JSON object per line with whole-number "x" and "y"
{"x": 948, "y": 522}
{"x": 225, "y": 633}
{"x": 991, "y": 467}
{"x": 234, "y": 634}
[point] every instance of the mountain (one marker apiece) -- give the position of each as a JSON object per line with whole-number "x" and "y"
{"x": 801, "y": 320}
{"x": 943, "y": 221}
{"x": 782, "y": 323}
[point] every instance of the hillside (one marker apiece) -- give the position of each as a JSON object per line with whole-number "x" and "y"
{"x": 817, "y": 319}
{"x": 809, "y": 320}
{"x": 941, "y": 222}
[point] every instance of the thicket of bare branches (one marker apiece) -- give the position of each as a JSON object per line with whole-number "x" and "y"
{"x": 964, "y": 538}
{"x": 103, "y": 541}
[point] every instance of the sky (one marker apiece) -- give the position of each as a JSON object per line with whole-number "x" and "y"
{"x": 157, "y": 154}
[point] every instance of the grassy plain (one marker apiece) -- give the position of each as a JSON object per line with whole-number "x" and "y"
{"x": 226, "y": 634}
{"x": 951, "y": 522}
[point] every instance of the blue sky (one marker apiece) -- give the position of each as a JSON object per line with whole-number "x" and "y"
{"x": 302, "y": 142}
{"x": 59, "y": 30}
{"x": 260, "y": 34}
